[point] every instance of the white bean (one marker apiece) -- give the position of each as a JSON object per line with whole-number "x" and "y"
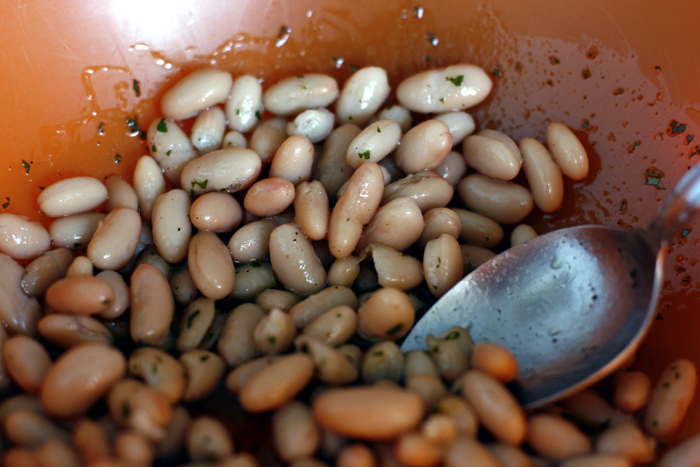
{"x": 456, "y": 87}
{"x": 294, "y": 431}
{"x": 298, "y": 93}
{"x": 211, "y": 265}
{"x": 80, "y": 266}
{"x": 295, "y": 262}
{"x": 277, "y": 384}
{"x": 394, "y": 269}
{"x": 268, "y": 137}
{"x": 312, "y": 307}
{"x": 686, "y": 454}
{"x": 208, "y": 129}
{"x": 543, "y": 175}
{"x": 670, "y": 399}
{"x": 504, "y": 202}
{"x": 82, "y": 294}
{"x": 335, "y": 326}
{"x": 443, "y": 264}
{"x": 479, "y": 229}
{"x": 344, "y": 271}
{"x": 45, "y": 270}
{"x": 362, "y": 95}
{"x": 461, "y": 125}
{"x": 152, "y": 305}
{"x": 70, "y": 330}
{"x": 149, "y": 184}
{"x": 26, "y": 361}
{"x": 195, "y": 92}
{"x": 556, "y": 438}
{"x": 236, "y": 343}
{"x": 241, "y": 374}
{"x": 495, "y": 360}
{"x": 631, "y": 390}
{"x": 216, "y": 212}
{"x": 522, "y": 233}
{"x": 204, "y": 372}
{"x": 332, "y": 366}
{"x": 503, "y": 138}
{"x": 275, "y": 298}
{"x": 170, "y": 147}
{"x": 116, "y": 239}
{"x": 208, "y": 439}
{"x": 183, "y": 287}
{"x": 151, "y": 256}
{"x": 251, "y": 280}
{"x": 419, "y": 362}
{"x": 22, "y": 238}
{"x": 293, "y": 160}
{"x": 388, "y": 314}
{"x": 234, "y": 139}
{"x": 172, "y": 229}
{"x": 72, "y": 196}
{"x": 428, "y": 189}
{"x": 468, "y": 452}
{"x": 589, "y": 408}
{"x": 269, "y": 196}
{"x": 423, "y": 147}
{"x": 196, "y": 321}
{"x": 75, "y": 231}
{"x": 244, "y": 105}
{"x": 252, "y": 241}
{"x": 311, "y": 208}
{"x": 160, "y": 370}
{"x": 627, "y": 440}
{"x": 383, "y": 360}
{"x": 26, "y": 427}
{"x": 374, "y": 143}
{"x": 567, "y": 151}
{"x": 134, "y": 447}
{"x": 490, "y": 157}
{"x": 439, "y": 221}
{"x": 229, "y": 169}
{"x": 120, "y": 194}
{"x": 474, "y": 256}
{"x": 398, "y": 224}
{"x": 332, "y": 168}
{"x": 399, "y": 114}
{"x": 314, "y": 124}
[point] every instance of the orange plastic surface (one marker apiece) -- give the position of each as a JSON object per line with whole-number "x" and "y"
{"x": 618, "y": 74}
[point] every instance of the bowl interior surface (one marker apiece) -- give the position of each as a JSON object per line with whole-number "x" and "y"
{"x": 624, "y": 79}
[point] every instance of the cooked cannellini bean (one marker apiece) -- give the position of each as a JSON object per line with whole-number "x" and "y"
{"x": 456, "y": 87}
{"x": 413, "y": 449}
{"x": 686, "y": 454}
{"x": 170, "y": 147}
{"x": 543, "y": 175}
{"x": 426, "y": 188}
{"x": 627, "y": 440}
{"x": 423, "y": 147}
{"x": 17, "y": 310}
{"x": 439, "y": 221}
{"x": 373, "y": 143}
{"x": 116, "y": 239}
{"x": 567, "y": 151}
{"x": 384, "y": 360}
{"x": 452, "y": 168}
{"x": 630, "y": 390}
{"x": 83, "y": 295}
{"x": 522, "y": 233}
{"x": 496, "y": 408}
{"x": 332, "y": 168}
{"x": 21, "y": 238}
{"x": 399, "y": 114}
{"x": 388, "y": 314}
{"x": 251, "y": 280}
{"x": 176, "y": 432}
{"x": 312, "y": 209}
{"x": 591, "y": 409}
{"x": 236, "y": 344}
{"x": 490, "y": 157}
{"x": 397, "y": 224}
{"x": 208, "y": 439}
{"x": 355, "y": 209}
{"x": 195, "y": 92}
{"x": 252, "y": 241}
{"x": 208, "y": 130}
{"x": 315, "y": 305}
{"x": 596, "y": 460}
{"x": 244, "y": 105}
{"x": 20, "y": 457}
{"x": 295, "y": 262}
{"x": 234, "y": 139}
{"x": 354, "y": 455}
{"x": 468, "y": 452}
{"x": 503, "y": 138}
{"x": 293, "y": 160}
{"x": 121, "y": 294}
{"x": 241, "y": 374}
{"x": 269, "y": 197}
{"x": 479, "y": 229}
{"x": 152, "y": 305}
{"x": 335, "y": 326}
{"x": 556, "y": 438}
{"x": 362, "y": 412}
{"x": 26, "y": 427}
{"x": 70, "y": 330}
{"x": 298, "y": 93}
{"x": 460, "y": 124}
{"x": 268, "y": 137}
{"x": 362, "y": 95}
{"x": 74, "y": 231}
{"x": 344, "y": 271}
{"x": 150, "y": 256}
{"x": 443, "y": 264}
{"x": 495, "y": 360}
{"x": 81, "y": 266}
{"x": 216, "y": 212}
{"x": 394, "y": 269}
{"x": 135, "y": 448}
{"x": 275, "y": 298}
{"x": 57, "y": 453}
{"x": 45, "y": 270}
{"x": 314, "y": 124}
{"x": 211, "y": 266}
{"x": 160, "y": 370}
{"x": 133, "y": 404}
{"x": 277, "y": 384}
{"x": 80, "y": 377}
{"x": 149, "y": 184}
{"x": 459, "y": 410}
{"x": 419, "y": 362}
{"x": 90, "y": 440}
{"x": 510, "y": 456}
{"x": 274, "y": 333}
{"x": 670, "y": 399}
{"x": 72, "y": 196}
{"x": 229, "y": 169}
{"x": 332, "y": 366}
{"x": 450, "y": 357}
{"x": 183, "y": 287}
{"x": 120, "y": 194}
{"x": 204, "y": 371}
{"x": 196, "y": 321}
{"x": 504, "y": 202}
{"x": 26, "y": 361}
{"x": 474, "y": 256}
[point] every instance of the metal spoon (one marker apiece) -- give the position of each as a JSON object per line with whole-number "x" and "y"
{"x": 571, "y": 305}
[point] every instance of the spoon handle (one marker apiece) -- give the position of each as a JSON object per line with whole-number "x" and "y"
{"x": 679, "y": 208}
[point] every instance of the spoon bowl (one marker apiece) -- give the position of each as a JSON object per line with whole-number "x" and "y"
{"x": 571, "y": 305}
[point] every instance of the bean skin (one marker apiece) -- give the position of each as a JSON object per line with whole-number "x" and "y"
{"x": 543, "y": 175}
{"x": 504, "y": 202}
{"x": 211, "y": 265}
{"x": 670, "y": 399}
{"x": 171, "y": 149}
{"x": 115, "y": 240}
{"x": 21, "y": 238}
{"x": 269, "y": 197}
{"x": 398, "y": 224}
{"x": 72, "y": 196}
{"x": 195, "y": 92}
{"x": 567, "y": 151}
{"x": 26, "y": 361}
{"x": 152, "y": 305}
{"x": 362, "y": 95}
{"x": 631, "y": 390}
{"x": 423, "y": 147}
{"x": 293, "y": 160}
{"x": 83, "y": 295}
{"x": 388, "y": 314}
{"x": 277, "y": 384}
{"x": 172, "y": 229}
{"x": 298, "y": 93}
{"x": 244, "y": 103}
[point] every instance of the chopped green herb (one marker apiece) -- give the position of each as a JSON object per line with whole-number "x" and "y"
{"x": 191, "y": 318}
{"x": 654, "y": 179}
{"x": 162, "y": 126}
{"x": 452, "y": 336}
{"x": 432, "y": 39}
{"x": 442, "y": 99}
{"x": 378, "y": 353}
{"x": 238, "y": 111}
{"x": 168, "y": 152}
{"x": 154, "y": 368}
{"x": 456, "y": 81}
{"x": 426, "y": 58}
{"x": 202, "y": 185}
{"x": 677, "y": 127}
{"x": 398, "y": 327}
{"x": 350, "y": 117}
{"x": 685, "y": 233}
{"x": 77, "y": 245}
{"x": 496, "y": 72}
{"x": 686, "y": 279}
{"x": 117, "y": 158}
{"x": 137, "y": 88}
{"x": 470, "y": 266}
{"x": 154, "y": 148}
{"x": 191, "y": 194}
{"x": 379, "y": 130}
{"x": 26, "y": 166}
{"x": 106, "y": 301}
{"x": 272, "y": 340}
{"x": 618, "y": 91}
{"x": 133, "y": 124}
{"x": 364, "y": 155}
{"x": 689, "y": 138}
{"x": 204, "y": 357}
{"x": 554, "y": 60}
{"x": 354, "y": 68}
{"x": 255, "y": 263}
{"x": 7, "y": 204}
{"x": 100, "y": 128}
{"x": 622, "y": 205}
{"x": 300, "y": 76}
{"x": 257, "y": 115}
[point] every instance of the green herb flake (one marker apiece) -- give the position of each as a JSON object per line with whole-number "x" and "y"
{"x": 191, "y": 194}
{"x": 456, "y": 81}
{"x": 162, "y": 126}
{"x": 496, "y": 72}
{"x": 470, "y": 266}
{"x": 379, "y": 130}
{"x": 137, "y": 88}
{"x": 442, "y": 99}
{"x": 168, "y": 152}
{"x": 204, "y": 357}
{"x": 622, "y": 205}
{"x": 364, "y": 155}
{"x": 654, "y": 179}
{"x": 452, "y": 336}
{"x": 202, "y": 185}
{"x": 26, "y": 166}
{"x": 77, "y": 245}
{"x": 7, "y": 204}
{"x": 354, "y": 68}
{"x": 255, "y": 264}
{"x": 101, "y": 128}
{"x": 154, "y": 148}
{"x": 685, "y": 233}
{"x": 378, "y": 353}
{"x": 191, "y": 318}
{"x": 117, "y": 158}
{"x": 133, "y": 124}
{"x": 676, "y": 127}
{"x": 350, "y": 117}
{"x": 432, "y": 39}
{"x": 426, "y": 58}
{"x": 398, "y": 327}
{"x": 272, "y": 340}
{"x": 257, "y": 115}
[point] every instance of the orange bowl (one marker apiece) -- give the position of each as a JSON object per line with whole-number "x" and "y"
{"x": 624, "y": 78}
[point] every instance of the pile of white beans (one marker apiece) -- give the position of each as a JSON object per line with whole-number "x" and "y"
{"x": 281, "y": 250}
